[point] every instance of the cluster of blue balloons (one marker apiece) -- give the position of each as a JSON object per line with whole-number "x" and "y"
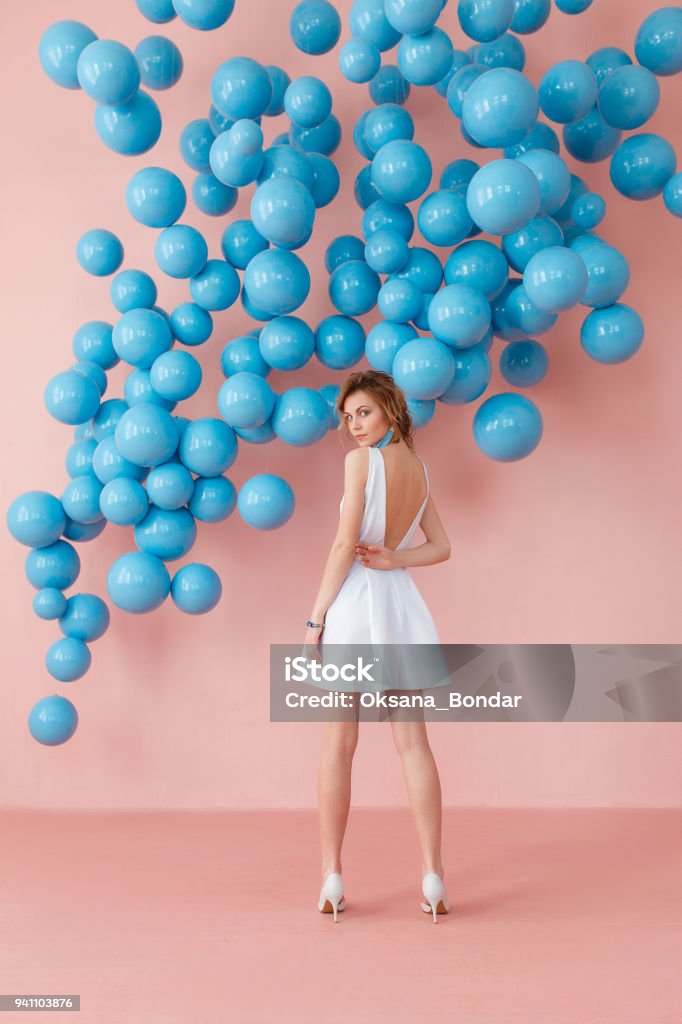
{"x": 135, "y": 462}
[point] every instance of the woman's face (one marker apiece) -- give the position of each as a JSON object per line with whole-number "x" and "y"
{"x": 365, "y": 418}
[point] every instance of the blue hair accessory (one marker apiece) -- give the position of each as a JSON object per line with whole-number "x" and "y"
{"x": 384, "y": 440}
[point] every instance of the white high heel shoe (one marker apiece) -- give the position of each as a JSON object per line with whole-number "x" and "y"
{"x": 435, "y": 896}
{"x": 332, "y": 898}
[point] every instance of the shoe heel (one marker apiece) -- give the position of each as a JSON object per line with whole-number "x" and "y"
{"x": 435, "y": 896}
{"x": 335, "y": 900}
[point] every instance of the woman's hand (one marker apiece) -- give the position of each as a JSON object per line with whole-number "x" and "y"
{"x": 374, "y": 556}
{"x": 312, "y": 642}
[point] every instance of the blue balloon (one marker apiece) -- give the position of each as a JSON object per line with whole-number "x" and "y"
{"x": 276, "y": 281}
{"x": 323, "y": 138}
{"x": 191, "y": 324}
{"x": 606, "y": 60}
{"x": 80, "y": 499}
{"x": 459, "y": 85}
{"x": 283, "y": 211}
{"x": 140, "y": 336}
{"x": 86, "y": 617}
{"x": 280, "y": 81}
{"x": 473, "y": 371}
{"x": 359, "y": 60}
{"x": 315, "y": 26}
{"x": 384, "y": 340}
{"x": 613, "y": 334}
{"x": 459, "y": 60}
{"x": 339, "y": 342}
{"x": 368, "y": 21}
{"x": 204, "y": 15}
{"x": 138, "y": 582}
{"x": 423, "y": 268}
{"x": 443, "y": 217}
{"x": 214, "y": 499}
{"x": 83, "y": 532}
{"x": 423, "y": 368}
{"x": 307, "y": 101}
{"x": 503, "y": 196}
{"x": 530, "y": 15}
{"x": 181, "y": 251}
{"x": 522, "y": 317}
{"x": 196, "y": 588}
{"x": 175, "y": 375}
{"x": 412, "y": 17}
{"x": 107, "y": 417}
{"x": 266, "y": 501}
{"x": 554, "y": 178}
{"x": 216, "y": 286}
{"x": 499, "y": 107}
{"x": 160, "y": 62}
{"x": 386, "y": 251}
{"x": 68, "y": 659}
{"x": 505, "y": 52}
{"x": 459, "y": 172}
{"x": 642, "y": 165}
{"x": 219, "y": 123}
{"x": 537, "y": 234}
{"x": 236, "y": 155}
{"x": 108, "y": 72}
{"x": 146, "y": 435}
{"x": 331, "y": 393}
{"x": 524, "y": 363}
{"x": 196, "y": 140}
{"x": 499, "y": 321}
{"x": 364, "y": 190}
{"x": 401, "y": 171}
{"x": 354, "y": 288}
{"x": 170, "y": 486}
{"x": 459, "y": 315}
{"x": 628, "y": 97}
{"x": 285, "y": 343}
{"x": 286, "y": 161}
{"x": 108, "y": 463}
{"x": 588, "y": 210}
{"x": 400, "y": 300}
{"x": 133, "y": 289}
{"x": 573, "y": 6}
{"x": 99, "y": 252}
{"x": 246, "y": 399}
{"x": 49, "y": 603}
{"x": 555, "y": 279}
{"x": 241, "y": 88}
{"x": 79, "y": 457}
{"x": 384, "y": 214}
{"x": 241, "y": 242}
{"x": 124, "y": 501}
{"x": 608, "y": 272}
{"x": 507, "y": 427}
{"x": 60, "y": 47}
{"x": 480, "y": 265}
{"x": 92, "y": 341}
{"x": 567, "y": 91}
{"x": 155, "y": 197}
{"x": 485, "y": 20}
{"x": 54, "y": 565}
{"x": 94, "y": 372}
{"x": 167, "y": 534}
{"x": 129, "y": 128}
{"x": 138, "y": 389}
{"x": 425, "y": 58}
{"x": 672, "y": 195}
{"x": 72, "y": 398}
{"x": 36, "y": 519}
{"x": 208, "y": 447}
{"x": 212, "y": 196}
{"x": 243, "y": 353}
{"x": 389, "y": 86}
{"x": 300, "y": 417}
{"x": 658, "y": 45}
{"x": 591, "y": 139}
{"x": 541, "y": 136}
{"x": 386, "y": 123}
{"x": 326, "y": 180}
{"x": 158, "y": 11}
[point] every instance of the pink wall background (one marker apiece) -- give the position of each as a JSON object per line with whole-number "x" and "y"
{"x": 578, "y": 543}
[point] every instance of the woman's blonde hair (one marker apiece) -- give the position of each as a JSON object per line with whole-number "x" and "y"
{"x": 389, "y": 396}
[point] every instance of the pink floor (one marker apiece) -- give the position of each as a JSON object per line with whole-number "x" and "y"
{"x": 557, "y": 917}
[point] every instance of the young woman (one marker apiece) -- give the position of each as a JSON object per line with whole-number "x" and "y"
{"x": 367, "y": 596}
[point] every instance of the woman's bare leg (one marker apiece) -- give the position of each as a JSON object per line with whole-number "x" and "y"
{"x": 423, "y": 789}
{"x": 334, "y": 789}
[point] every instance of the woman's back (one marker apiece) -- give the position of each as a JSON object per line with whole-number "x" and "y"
{"x": 406, "y": 491}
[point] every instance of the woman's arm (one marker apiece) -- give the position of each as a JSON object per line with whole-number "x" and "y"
{"x": 342, "y": 553}
{"x": 435, "y": 549}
